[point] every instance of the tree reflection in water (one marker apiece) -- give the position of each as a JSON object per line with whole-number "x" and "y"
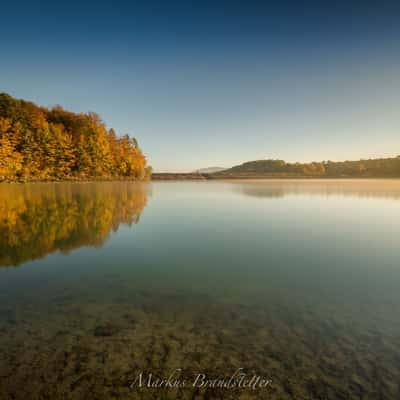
{"x": 38, "y": 219}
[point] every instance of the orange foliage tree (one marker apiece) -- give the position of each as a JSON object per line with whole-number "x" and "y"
{"x": 54, "y": 143}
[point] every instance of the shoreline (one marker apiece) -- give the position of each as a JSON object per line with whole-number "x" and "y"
{"x": 176, "y": 177}
{"x": 210, "y": 177}
{"x": 200, "y": 179}
{"x": 72, "y": 179}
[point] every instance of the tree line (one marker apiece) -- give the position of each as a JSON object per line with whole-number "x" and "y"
{"x": 41, "y": 143}
{"x": 382, "y": 167}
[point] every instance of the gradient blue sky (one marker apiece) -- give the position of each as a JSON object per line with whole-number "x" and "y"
{"x": 216, "y": 83}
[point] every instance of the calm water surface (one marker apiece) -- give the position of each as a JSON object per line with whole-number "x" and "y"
{"x": 294, "y": 281}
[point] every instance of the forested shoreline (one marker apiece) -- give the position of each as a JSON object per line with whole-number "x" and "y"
{"x": 37, "y": 143}
{"x": 279, "y": 169}
{"x": 47, "y": 144}
{"x": 372, "y": 168}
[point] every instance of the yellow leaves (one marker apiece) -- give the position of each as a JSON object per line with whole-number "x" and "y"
{"x": 57, "y": 143}
{"x": 5, "y": 126}
{"x": 10, "y": 160}
{"x": 38, "y": 120}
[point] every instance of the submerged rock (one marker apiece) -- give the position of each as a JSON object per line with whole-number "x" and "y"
{"x": 105, "y": 330}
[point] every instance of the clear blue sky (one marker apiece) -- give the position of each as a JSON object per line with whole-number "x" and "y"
{"x": 216, "y": 83}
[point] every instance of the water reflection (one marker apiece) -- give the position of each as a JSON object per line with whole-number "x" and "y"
{"x": 39, "y": 219}
{"x": 383, "y": 188}
{"x": 302, "y": 289}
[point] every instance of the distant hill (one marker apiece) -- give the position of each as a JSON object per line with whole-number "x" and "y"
{"x": 209, "y": 170}
{"x": 372, "y": 168}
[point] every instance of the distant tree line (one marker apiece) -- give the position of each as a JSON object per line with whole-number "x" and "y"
{"x": 383, "y": 167}
{"x": 41, "y": 143}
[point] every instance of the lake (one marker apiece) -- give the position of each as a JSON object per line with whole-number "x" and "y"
{"x": 105, "y": 287}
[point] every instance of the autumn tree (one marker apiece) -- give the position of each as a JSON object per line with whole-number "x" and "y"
{"x": 55, "y": 143}
{"x": 10, "y": 158}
